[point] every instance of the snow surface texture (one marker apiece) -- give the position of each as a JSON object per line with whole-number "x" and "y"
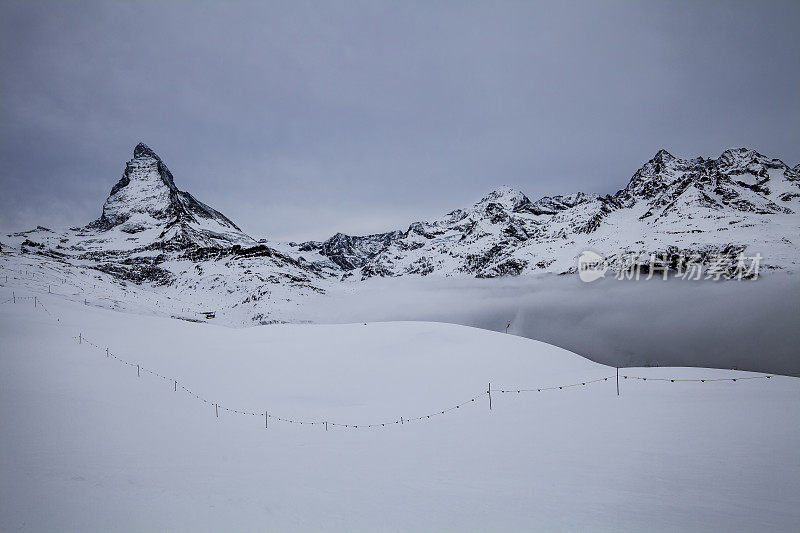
{"x": 88, "y": 446}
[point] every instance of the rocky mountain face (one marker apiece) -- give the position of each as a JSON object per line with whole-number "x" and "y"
{"x": 146, "y": 207}
{"x": 349, "y": 252}
{"x": 151, "y": 234}
{"x": 740, "y": 201}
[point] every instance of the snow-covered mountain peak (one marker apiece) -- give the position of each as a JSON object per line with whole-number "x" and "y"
{"x": 505, "y": 196}
{"x": 146, "y": 200}
{"x": 663, "y": 157}
{"x": 745, "y": 160}
{"x": 142, "y": 150}
{"x": 145, "y": 188}
{"x": 657, "y": 174}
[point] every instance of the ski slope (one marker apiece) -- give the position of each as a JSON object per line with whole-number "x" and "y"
{"x": 87, "y": 445}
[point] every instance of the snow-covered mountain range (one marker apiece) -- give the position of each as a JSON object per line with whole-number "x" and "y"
{"x": 180, "y": 256}
{"x": 741, "y": 201}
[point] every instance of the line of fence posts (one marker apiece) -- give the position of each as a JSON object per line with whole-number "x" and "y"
{"x": 266, "y": 413}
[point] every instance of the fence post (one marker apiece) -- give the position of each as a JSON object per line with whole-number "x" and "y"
{"x": 401, "y": 420}
{"x": 326, "y": 425}
{"x": 137, "y": 371}
{"x": 14, "y": 296}
{"x": 176, "y": 384}
{"x": 216, "y": 408}
{"x": 617, "y": 381}
{"x": 106, "y": 351}
{"x": 80, "y": 338}
{"x": 266, "y": 419}
{"x": 490, "y": 395}
{"x": 35, "y": 302}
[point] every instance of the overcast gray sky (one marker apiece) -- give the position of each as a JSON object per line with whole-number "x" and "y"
{"x": 299, "y": 119}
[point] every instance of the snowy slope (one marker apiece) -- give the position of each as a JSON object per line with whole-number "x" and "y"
{"x": 86, "y": 445}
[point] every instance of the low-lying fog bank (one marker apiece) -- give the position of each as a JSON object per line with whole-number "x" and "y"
{"x": 750, "y": 325}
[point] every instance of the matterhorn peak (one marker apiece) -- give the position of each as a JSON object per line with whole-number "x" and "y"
{"x": 142, "y": 150}
{"x": 146, "y": 198}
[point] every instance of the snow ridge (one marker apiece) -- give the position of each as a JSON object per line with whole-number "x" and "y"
{"x": 740, "y": 201}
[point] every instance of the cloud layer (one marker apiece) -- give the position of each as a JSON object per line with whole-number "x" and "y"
{"x": 749, "y": 325}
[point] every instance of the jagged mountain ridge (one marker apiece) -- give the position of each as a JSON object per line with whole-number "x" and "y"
{"x": 158, "y": 249}
{"x": 146, "y": 200}
{"x": 739, "y": 201}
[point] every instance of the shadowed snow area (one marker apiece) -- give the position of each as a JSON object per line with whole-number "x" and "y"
{"x": 89, "y": 446}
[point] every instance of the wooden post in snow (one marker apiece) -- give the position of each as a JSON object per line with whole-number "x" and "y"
{"x": 80, "y": 338}
{"x": 176, "y": 384}
{"x": 266, "y": 419}
{"x": 617, "y": 381}
{"x": 490, "y": 395}
{"x": 216, "y": 408}
{"x": 137, "y": 371}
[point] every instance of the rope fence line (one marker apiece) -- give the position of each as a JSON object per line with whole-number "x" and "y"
{"x": 582, "y": 383}
{"x": 697, "y": 380}
{"x": 219, "y": 407}
{"x": 81, "y": 339}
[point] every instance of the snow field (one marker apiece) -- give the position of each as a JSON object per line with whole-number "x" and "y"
{"x": 86, "y": 445}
